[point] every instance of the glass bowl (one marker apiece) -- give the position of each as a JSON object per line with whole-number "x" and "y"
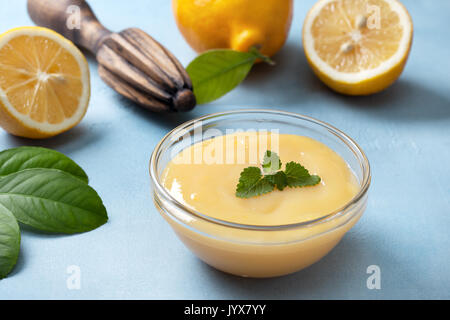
{"x": 252, "y": 250}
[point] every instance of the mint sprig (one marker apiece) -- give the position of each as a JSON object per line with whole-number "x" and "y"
{"x": 255, "y": 182}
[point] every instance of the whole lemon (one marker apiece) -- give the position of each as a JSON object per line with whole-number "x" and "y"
{"x": 234, "y": 24}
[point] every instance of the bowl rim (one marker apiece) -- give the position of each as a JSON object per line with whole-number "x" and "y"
{"x": 348, "y": 141}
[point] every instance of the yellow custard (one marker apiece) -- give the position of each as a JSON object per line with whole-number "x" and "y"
{"x": 210, "y": 188}
{"x": 203, "y": 177}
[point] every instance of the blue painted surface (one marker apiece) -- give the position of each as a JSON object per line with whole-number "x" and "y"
{"x": 404, "y": 130}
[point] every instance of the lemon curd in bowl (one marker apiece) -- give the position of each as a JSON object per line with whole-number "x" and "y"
{"x": 195, "y": 170}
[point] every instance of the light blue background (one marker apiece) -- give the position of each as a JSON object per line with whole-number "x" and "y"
{"x": 404, "y": 130}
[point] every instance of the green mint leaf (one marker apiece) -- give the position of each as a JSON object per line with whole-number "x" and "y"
{"x": 271, "y": 162}
{"x": 21, "y": 158}
{"x": 216, "y": 72}
{"x": 52, "y": 200}
{"x": 9, "y": 241}
{"x": 278, "y": 179}
{"x": 252, "y": 183}
{"x": 298, "y": 176}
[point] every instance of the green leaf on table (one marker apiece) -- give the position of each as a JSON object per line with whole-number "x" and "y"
{"x": 52, "y": 200}
{"x": 21, "y": 158}
{"x": 9, "y": 241}
{"x": 298, "y": 176}
{"x": 252, "y": 183}
{"x": 216, "y": 72}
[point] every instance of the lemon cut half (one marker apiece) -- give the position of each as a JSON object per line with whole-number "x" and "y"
{"x": 357, "y": 47}
{"x": 44, "y": 83}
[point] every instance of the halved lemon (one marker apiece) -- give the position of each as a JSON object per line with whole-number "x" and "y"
{"x": 357, "y": 47}
{"x": 44, "y": 83}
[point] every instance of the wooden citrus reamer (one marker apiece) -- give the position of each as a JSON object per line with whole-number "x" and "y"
{"x": 131, "y": 62}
